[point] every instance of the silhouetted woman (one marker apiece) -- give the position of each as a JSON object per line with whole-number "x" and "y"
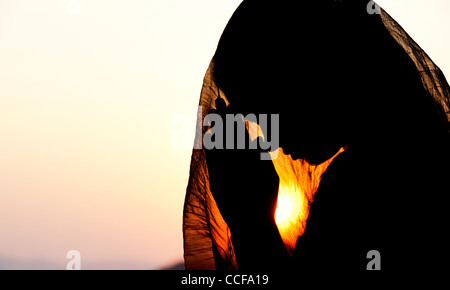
{"x": 338, "y": 76}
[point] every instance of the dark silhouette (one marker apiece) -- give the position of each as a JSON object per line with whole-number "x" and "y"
{"x": 337, "y": 77}
{"x": 246, "y": 189}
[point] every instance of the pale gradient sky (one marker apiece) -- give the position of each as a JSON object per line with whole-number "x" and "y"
{"x": 87, "y": 104}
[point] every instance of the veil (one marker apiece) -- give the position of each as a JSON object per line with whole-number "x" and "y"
{"x": 207, "y": 238}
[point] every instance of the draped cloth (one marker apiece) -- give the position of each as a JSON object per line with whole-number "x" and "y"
{"x": 208, "y": 240}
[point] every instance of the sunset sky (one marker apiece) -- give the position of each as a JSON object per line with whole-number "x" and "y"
{"x": 91, "y": 102}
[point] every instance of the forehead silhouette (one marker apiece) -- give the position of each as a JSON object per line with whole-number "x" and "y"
{"x": 292, "y": 55}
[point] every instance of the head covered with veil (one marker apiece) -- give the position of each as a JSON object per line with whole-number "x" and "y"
{"x": 362, "y": 110}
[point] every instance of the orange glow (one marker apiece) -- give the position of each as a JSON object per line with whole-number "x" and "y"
{"x": 299, "y": 182}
